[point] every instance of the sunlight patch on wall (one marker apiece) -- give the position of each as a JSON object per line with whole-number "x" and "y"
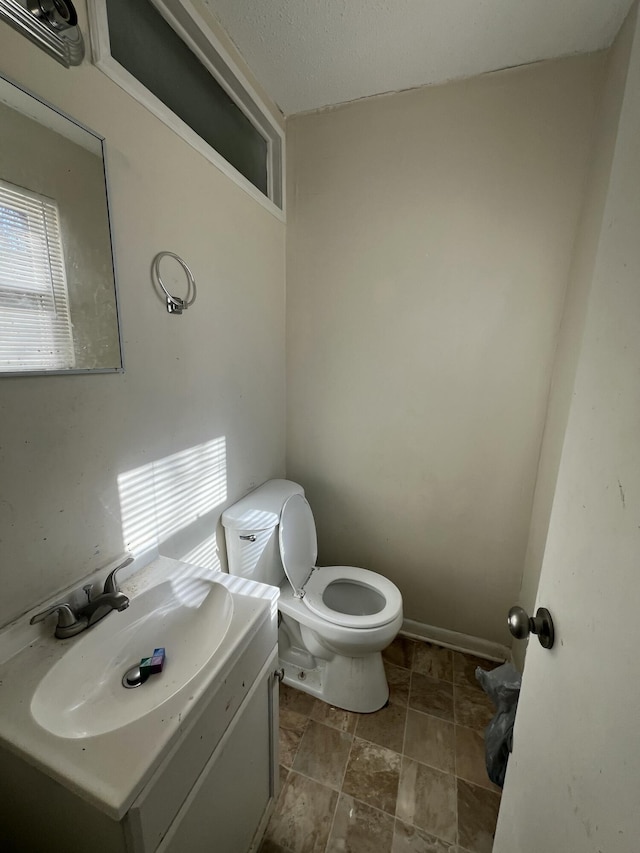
{"x": 163, "y": 497}
{"x": 205, "y": 554}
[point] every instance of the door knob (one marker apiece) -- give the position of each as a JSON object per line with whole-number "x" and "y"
{"x": 521, "y": 625}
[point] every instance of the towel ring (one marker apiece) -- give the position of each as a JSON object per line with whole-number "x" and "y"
{"x": 174, "y": 304}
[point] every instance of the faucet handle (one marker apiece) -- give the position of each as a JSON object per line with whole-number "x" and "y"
{"x": 65, "y": 614}
{"x": 110, "y": 584}
{"x": 68, "y": 625}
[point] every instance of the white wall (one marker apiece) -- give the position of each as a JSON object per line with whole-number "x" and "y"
{"x": 573, "y": 317}
{"x": 429, "y": 245}
{"x": 216, "y": 372}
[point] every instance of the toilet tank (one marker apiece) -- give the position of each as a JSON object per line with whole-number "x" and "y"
{"x": 251, "y": 532}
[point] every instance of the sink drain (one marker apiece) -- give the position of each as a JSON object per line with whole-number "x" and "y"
{"x": 133, "y": 678}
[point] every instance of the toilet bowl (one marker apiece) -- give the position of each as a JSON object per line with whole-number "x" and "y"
{"x": 335, "y": 620}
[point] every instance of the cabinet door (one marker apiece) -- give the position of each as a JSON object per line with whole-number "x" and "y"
{"x": 227, "y": 803}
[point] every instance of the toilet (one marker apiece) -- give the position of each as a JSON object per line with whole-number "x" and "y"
{"x": 334, "y": 620}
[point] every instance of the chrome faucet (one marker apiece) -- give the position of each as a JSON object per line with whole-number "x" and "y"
{"x": 97, "y": 608}
{"x": 72, "y": 622}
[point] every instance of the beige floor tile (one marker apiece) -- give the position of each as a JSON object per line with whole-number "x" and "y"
{"x": 431, "y": 696}
{"x": 295, "y": 700}
{"x": 399, "y": 680}
{"x": 292, "y": 726}
{"x": 345, "y": 721}
{"x": 472, "y": 708}
{"x": 470, "y": 758}
{"x": 427, "y": 799}
{"x": 323, "y": 754}
{"x": 283, "y": 773}
{"x": 372, "y": 775}
{"x": 430, "y": 740}
{"x": 464, "y": 669}
{"x": 385, "y": 727}
{"x": 269, "y": 846}
{"x": 433, "y": 661}
{"x": 289, "y": 741}
{"x": 400, "y": 652}
{"x": 358, "y": 828}
{"x": 336, "y": 762}
{"x": 410, "y": 839}
{"x": 477, "y": 817}
{"x": 302, "y": 818}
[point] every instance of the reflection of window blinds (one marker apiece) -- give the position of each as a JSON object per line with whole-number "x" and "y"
{"x": 35, "y": 327}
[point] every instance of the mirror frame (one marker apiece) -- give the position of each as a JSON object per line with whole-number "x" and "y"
{"x": 103, "y": 148}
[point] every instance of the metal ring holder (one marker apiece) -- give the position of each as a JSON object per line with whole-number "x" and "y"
{"x": 174, "y": 304}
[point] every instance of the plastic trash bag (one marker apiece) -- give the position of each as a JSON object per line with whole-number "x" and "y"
{"x": 502, "y": 685}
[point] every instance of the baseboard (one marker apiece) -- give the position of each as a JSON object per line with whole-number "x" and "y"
{"x": 454, "y": 640}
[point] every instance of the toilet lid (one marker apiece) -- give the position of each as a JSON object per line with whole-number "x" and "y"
{"x": 298, "y": 541}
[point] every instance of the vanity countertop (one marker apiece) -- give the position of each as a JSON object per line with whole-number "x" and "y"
{"x": 110, "y": 769}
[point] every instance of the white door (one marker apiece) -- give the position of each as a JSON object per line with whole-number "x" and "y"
{"x": 573, "y": 782}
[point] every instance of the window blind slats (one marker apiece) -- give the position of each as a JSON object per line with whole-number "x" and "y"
{"x": 35, "y": 325}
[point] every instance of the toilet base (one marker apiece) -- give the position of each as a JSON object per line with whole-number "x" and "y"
{"x": 353, "y": 684}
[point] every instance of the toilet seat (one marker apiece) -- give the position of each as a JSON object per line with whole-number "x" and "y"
{"x": 321, "y": 579}
{"x": 299, "y": 552}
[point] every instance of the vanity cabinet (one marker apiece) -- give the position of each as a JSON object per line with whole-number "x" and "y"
{"x": 227, "y": 803}
{"x": 212, "y": 787}
{"x": 228, "y": 796}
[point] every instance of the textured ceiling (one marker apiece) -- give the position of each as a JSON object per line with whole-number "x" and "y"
{"x": 309, "y": 54}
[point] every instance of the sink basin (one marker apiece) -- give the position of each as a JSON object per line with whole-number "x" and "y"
{"x": 82, "y": 694}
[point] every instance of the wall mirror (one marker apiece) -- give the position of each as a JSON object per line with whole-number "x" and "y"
{"x": 58, "y": 297}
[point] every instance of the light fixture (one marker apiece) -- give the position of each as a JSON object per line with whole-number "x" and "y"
{"x": 58, "y": 14}
{"x": 50, "y": 24}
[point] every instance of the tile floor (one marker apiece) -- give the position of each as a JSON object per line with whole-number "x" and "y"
{"x": 408, "y": 779}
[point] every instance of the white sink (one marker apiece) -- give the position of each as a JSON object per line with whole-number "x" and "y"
{"x": 82, "y": 694}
